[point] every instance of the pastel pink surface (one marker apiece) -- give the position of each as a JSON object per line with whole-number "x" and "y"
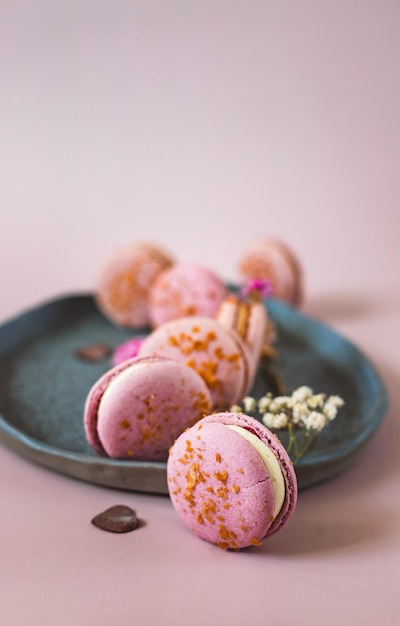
{"x": 215, "y": 352}
{"x": 220, "y": 486}
{"x": 182, "y": 290}
{"x": 150, "y": 403}
{"x": 124, "y": 280}
{"x": 270, "y": 258}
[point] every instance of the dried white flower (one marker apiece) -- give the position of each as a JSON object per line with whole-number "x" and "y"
{"x": 268, "y": 420}
{"x": 316, "y": 401}
{"x": 273, "y": 420}
{"x": 315, "y": 421}
{"x": 336, "y": 401}
{"x": 330, "y": 411}
{"x": 303, "y": 413}
{"x": 282, "y": 402}
{"x": 281, "y": 420}
{"x": 264, "y": 403}
{"x": 235, "y": 408}
{"x": 277, "y": 404}
{"x": 250, "y": 404}
{"x": 301, "y": 394}
{"x": 300, "y": 412}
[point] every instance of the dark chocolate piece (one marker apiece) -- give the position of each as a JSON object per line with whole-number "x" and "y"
{"x": 117, "y": 519}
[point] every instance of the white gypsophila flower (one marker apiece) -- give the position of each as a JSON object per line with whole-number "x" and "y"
{"x": 276, "y": 405}
{"x": 273, "y": 408}
{"x": 330, "y": 411}
{"x": 315, "y": 421}
{"x": 300, "y": 413}
{"x": 268, "y": 420}
{"x": 249, "y": 404}
{"x": 316, "y": 401}
{"x": 301, "y": 394}
{"x": 264, "y": 403}
{"x": 235, "y": 408}
{"x": 275, "y": 420}
{"x": 282, "y": 402}
{"x": 336, "y": 401}
{"x": 281, "y": 420}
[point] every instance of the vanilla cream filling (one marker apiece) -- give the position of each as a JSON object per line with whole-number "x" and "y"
{"x": 270, "y": 461}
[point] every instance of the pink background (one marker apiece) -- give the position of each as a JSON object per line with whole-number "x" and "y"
{"x": 200, "y": 125}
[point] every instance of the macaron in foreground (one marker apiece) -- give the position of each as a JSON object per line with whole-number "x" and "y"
{"x": 138, "y": 408}
{"x": 231, "y": 481}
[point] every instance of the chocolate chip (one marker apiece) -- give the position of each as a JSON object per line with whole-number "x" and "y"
{"x": 117, "y": 519}
{"x": 93, "y": 352}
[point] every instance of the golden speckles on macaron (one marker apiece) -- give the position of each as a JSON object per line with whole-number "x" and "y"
{"x": 209, "y": 509}
{"x": 255, "y": 542}
{"x": 222, "y": 492}
{"x": 221, "y": 476}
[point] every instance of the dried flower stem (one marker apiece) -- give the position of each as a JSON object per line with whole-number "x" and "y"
{"x": 303, "y": 412}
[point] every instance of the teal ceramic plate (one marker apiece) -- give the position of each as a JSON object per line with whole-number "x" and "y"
{"x": 43, "y": 386}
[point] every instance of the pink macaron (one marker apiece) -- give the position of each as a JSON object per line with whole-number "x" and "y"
{"x": 270, "y": 258}
{"x": 183, "y": 290}
{"x": 231, "y": 481}
{"x": 124, "y": 281}
{"x": 250, "y": 319}
{"x": 138, "y": 408}
{"x": 213, "y": 351}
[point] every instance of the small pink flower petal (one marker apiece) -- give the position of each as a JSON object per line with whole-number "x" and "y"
{"x": 126, "y": 350}
{"x": 262, "y": 287}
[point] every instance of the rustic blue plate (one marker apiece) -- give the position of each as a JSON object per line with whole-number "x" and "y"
{"x": 43, "y": 386}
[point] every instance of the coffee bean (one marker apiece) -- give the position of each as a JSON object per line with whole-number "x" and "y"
{"x": 117, "y": 519}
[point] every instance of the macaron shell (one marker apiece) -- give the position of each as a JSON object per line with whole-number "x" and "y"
{"x": 182, "y": 290}
{"x": 124, "y": 281}
{"x": 256, "y": 323}
{"x": 270, "y": 439}
{"x": 92, "y": 404}
{"x": 269, "y": 258}
{"x": 138, "y": 410}
{"x": 212, "y": 350}
{"x": 220, "y": 487}
{"x": 257, "y": 329}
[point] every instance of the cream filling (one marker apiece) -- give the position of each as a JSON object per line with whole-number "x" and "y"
{"x": 270, "y": 461}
